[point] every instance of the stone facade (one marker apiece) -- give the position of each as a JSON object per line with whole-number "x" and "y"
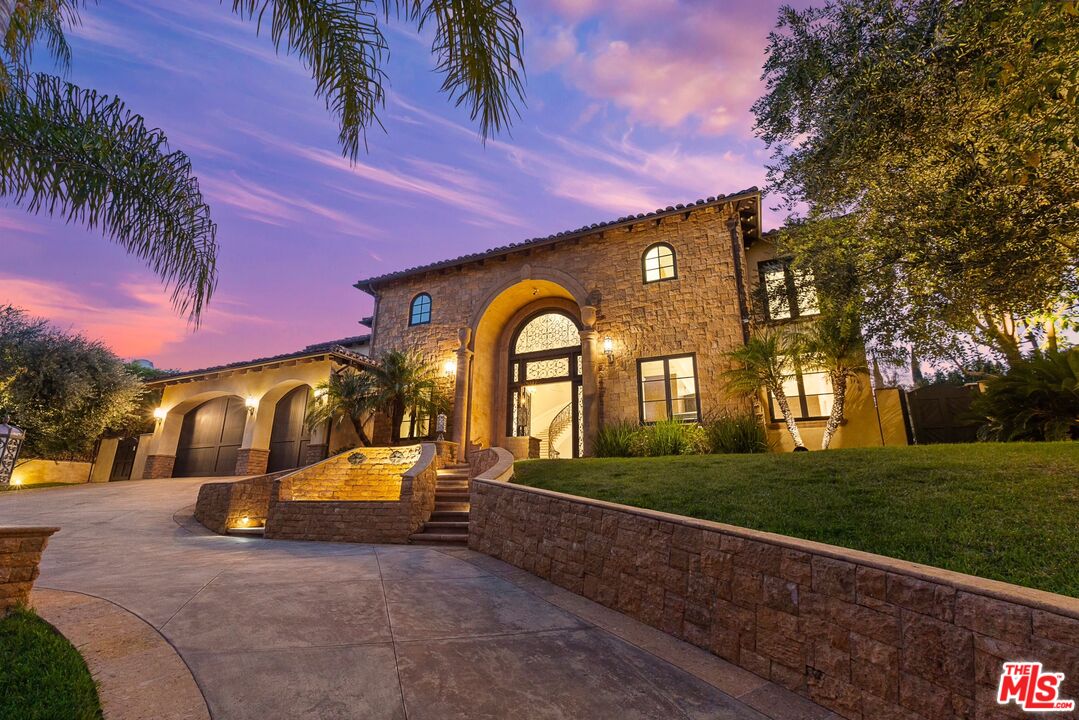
{"x": 868, "y": 637}
{"x": 158, "y": 466}
{"x": 20, "y": 554}
{"x": 699, "y": 311}
{"x": 223, "y": 505}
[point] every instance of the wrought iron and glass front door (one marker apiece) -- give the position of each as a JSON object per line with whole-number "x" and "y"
{"x": 546, "y": 396}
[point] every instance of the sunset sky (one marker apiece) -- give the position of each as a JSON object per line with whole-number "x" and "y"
{"x": 632, "y": 105}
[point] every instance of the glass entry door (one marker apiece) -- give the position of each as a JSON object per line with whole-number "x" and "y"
{"x": 546, "y": 396}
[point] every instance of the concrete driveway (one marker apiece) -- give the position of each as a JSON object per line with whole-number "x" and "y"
{"x": 277, "y": 629}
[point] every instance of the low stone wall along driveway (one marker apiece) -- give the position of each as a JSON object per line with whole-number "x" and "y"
{"x": 289, "y": 629}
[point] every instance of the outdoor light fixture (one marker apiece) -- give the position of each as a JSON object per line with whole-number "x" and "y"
{"x": 450, "y": 368}
{"x": 251, "y": 404}
{"x": 11, "y": 439}
{"x": 160, "y": 414}
{"x": 245, "y": 520}
{"x": 608, "y": 348}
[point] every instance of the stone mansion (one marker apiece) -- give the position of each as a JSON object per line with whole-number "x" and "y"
{"x": 540, "y": 343}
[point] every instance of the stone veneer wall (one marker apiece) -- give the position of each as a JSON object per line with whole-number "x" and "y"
{"x": 382, "y": 499}
{"x": 869, "y": 637}
{"x": 158, "y": 467}
{"x": 251, "y": 461}
{"x": 20, "y": 553}
{"x": 223, "y": 505}
{"x": 698, "y": 312}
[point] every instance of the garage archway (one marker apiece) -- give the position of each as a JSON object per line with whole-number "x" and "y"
{"x": 210, "y": 437}
{"x": 288, "y": 440}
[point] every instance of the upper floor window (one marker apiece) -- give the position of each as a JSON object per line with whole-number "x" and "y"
{"x": 789, "y": 293}
{"x": 668, "y": 389}
{"x": 809, "y": 394}
{"x": 420, "y": 310}
{"x": 659, "y": 263}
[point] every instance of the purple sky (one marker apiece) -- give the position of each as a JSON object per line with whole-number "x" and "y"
{"x": 632, "y": 105}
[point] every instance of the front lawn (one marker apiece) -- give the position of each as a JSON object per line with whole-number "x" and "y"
{"x": 1003, "y": 511}
{"x": 42, "y": 677}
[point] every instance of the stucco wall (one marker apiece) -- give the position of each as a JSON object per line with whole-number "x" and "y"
{"x": 35, "y": 472}
{"x": 696, "y": 312}
{"x": 862, "y": 428}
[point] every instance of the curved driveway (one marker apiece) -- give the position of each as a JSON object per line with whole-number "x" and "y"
{"x": 278, "y": 629}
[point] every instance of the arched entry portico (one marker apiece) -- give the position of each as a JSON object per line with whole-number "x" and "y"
{"x": 483, "y": 398}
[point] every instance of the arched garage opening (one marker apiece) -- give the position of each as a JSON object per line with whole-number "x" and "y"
{"x": 288, "y": 440}
{"x": 210, "y": 437}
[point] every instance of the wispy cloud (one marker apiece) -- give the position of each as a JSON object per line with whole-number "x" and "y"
{"x": 17, "y": 221}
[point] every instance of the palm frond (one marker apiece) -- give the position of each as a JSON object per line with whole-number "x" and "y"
{"x": 341, "y": 43}
{"x": 24, "y": 24}
{"x": 72, "y": 152}
{"x": 478, "y": 49}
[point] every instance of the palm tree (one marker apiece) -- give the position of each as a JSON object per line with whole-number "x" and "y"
{"x": 85, "y": 156}
{"x": 405, "y": 381}
{"x": 833, "y": 342}
{"x": 767, "y": 360}
{"x": 347, "y": 395}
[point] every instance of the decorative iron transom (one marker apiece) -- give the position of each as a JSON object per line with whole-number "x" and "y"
{"x": 547, "y": 332}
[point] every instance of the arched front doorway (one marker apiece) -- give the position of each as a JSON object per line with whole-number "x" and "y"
{"x": 288, "y": 441}
{"x": 210, "y": 437}
{"x": 546, "y": 398}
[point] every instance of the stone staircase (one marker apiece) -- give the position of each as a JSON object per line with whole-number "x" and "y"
{"x": 449, "y": 522}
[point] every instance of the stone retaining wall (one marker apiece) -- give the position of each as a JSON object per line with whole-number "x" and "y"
{"x": 20, "y": 553}
{"x": 223, "y": 505}
{"x": 383, "y": 497}
{"x": 869, "y": 637}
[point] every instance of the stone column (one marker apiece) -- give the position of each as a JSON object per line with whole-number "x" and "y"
{"x": 589, "y": 381}
{"x": 460, "y": 394}
{"x": 318, "y": 444}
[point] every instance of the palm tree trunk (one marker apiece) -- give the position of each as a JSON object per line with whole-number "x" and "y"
{"x": 357, "y": 423}
{"x": 396, "y": 418}
{"x": 839, "y": 390}
{"x": 788, "y": 417}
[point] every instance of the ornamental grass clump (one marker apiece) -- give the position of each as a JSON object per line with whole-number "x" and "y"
{"x": 670, "y": 437}
{"x": 616, "y": 439}
{"x": 737, "y": 433}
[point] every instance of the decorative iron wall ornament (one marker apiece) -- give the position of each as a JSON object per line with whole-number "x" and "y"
{"x": 542, "y": 369}
{"x": 357, "y": 458}
{"x": 549, "y": 331}
{"x": 11, "y": 440}
{"x": 440, "y": 426}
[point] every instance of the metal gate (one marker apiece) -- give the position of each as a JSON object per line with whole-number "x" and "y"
{"x": 124, "y": 460}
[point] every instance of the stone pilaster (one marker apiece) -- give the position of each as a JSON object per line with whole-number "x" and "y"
{"x": 158, "y": 466}
{"x": 252, "y": 461}
{"x": 20, "y": 553}
{"x": 589, "y": 365}
{"x": 315, "y": 453}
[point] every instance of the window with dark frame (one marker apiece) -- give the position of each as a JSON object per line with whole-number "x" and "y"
{"x": 420, "y": 310}
{"x": 659, "y": 263}
{"x": 667, "y": 388}
{"x": 789, "y": 293}
{"x": 809, "y": 394}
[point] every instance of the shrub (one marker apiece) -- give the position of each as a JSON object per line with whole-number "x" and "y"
{"x": 616, "y": 439}
{"x": 1038, "y": 399}
{"x": 670, "y": 437}
{"x": 737, "y": 433}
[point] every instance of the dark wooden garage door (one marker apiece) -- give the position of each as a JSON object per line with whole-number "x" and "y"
{"x": 210, "y": 438}
{"x": 288, "y": 441}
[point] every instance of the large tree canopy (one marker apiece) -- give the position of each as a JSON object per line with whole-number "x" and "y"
{"x": 64, "y": 390}
{"x": 929, "y": 150}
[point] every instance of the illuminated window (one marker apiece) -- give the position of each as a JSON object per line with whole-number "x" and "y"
{"x": 668, "y": 389}
{"x": 659, "y": 263}
{"x": 809, "y": 394}
{"x": 789, "y": 293}
{"x": 420, "y": 310}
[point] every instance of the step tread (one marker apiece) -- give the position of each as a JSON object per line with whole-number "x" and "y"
{"x": 440, "y": 538}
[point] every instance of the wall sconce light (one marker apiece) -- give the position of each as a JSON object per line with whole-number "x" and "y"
{"x": 449, "y": 368}
{"x": 608, "y": 348}
{"x": 252, "y": 404}
{"x": 160, "y": 414}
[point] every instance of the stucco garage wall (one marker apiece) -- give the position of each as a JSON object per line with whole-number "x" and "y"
{"x": 869, "y": 637}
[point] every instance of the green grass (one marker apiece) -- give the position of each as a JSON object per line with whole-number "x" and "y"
{"x": 1004, "y": 511}
{"x": 42, "y": 677}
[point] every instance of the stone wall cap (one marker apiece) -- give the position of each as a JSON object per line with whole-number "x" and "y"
{"x": 996, "y": 589}
{"x": 26, "y": 530}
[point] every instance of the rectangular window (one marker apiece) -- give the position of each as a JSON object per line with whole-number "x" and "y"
{"x": 668, "y": 389}
{"x": 809, "y": 394}
{"x": 789, "y": 293}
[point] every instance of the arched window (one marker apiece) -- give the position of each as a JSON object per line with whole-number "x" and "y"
{"x": 420, "y": 310}
{"x": 659, "y": 263}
